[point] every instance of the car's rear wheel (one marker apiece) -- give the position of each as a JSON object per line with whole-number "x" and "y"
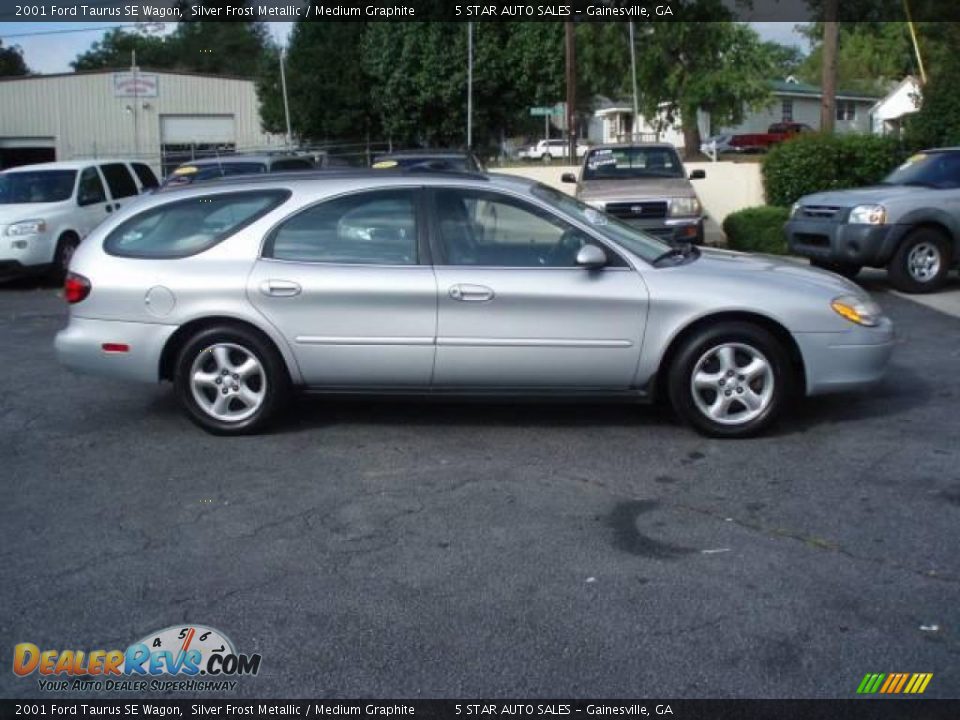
{"x": 230, "y": 381}
{"x": 921, "y": 263}
{"x": 730, "y": 380}
{"x": 847, "y": 270}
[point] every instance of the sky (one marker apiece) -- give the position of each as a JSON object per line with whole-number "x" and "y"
{"x": 48, "y": 49}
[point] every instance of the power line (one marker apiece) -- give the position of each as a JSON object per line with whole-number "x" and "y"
{"x": 101, "y": 28}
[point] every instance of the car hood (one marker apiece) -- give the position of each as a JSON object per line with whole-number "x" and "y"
{"x": 634, "y": 188}
{"x": 16, "y": 212}
{"x": 724, "y": 262}
{"x": 861, "y": 196}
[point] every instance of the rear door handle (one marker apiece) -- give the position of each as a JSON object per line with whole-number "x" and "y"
{"x": 280, "y": 288}
{"x": 471, "y": 293}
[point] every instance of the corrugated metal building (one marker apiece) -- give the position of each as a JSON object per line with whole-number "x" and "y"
{"x": 161, "y": 117}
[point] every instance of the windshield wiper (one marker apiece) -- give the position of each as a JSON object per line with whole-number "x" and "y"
{"x": 672, "y": 252}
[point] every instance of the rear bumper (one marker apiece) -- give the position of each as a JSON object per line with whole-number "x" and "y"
{"x": 835, "y": 362}
{"x": 80, "y": 347}
{"x": 869, "y": 245}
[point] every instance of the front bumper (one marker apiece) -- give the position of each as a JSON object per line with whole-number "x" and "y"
{"x": 80, "y": 347}
{"x": 674, "y": 231}
{"x": 835, "y": 362}
{"x": 841, "y": 242}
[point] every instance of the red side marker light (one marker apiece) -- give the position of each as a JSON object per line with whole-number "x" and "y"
{"x": 115, "y": 347}
{"x": 75, "y": 288}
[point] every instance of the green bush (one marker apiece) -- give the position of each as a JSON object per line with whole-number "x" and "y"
{"x": 813, "y": 163}
{"x": 757, "y": 229}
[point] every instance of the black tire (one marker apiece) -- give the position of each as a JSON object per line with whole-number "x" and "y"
{"x": 847, "y": 270}
{"x": 922, "y": 243}
{"x": 546, "y": 157}
{"x": 273, "y": 376}
{"x": 740, "y": 335}
{"x": 66, "y": 246}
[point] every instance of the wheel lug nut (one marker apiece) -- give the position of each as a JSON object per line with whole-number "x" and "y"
{"x": 727, "y": 392}
{"x": 741, "y": 378}
{"x": 729, "y": 373}
{"x": 740, "y": 390}
{"x": 236, "y": 377}
{"x": 722, "y": 381}
{"x": 224, "y": 391}
{"x": 237, "y": 387}
{"x": 218, "y": 381}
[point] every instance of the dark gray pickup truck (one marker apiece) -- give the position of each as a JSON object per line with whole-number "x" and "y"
{"x": 909, "y": 223}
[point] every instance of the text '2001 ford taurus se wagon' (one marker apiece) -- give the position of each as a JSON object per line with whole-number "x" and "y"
{"x": 446, "y": 283}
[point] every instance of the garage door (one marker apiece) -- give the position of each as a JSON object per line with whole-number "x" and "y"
{"x": 16, "y": 151}
{"x": 196, "y": 129}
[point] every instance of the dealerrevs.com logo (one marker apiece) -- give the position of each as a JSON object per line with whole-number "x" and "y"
{"x": 189, "y": 658}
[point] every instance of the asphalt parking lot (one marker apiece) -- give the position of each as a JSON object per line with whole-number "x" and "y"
{"x": 371, "y": 549}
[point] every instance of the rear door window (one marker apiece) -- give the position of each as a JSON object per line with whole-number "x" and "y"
{"x": 119, "y": 180}
{"x": 187, "y": 227}
{"x": 147, "y": 179}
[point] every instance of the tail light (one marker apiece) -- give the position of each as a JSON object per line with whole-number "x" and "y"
{"x": 75, "y": 288}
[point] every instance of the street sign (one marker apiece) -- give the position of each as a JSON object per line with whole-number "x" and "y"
{"x": 545, "y": 110}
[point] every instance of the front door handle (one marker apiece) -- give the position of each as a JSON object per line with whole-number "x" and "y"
{"x": 471, "y": 293}
{"x": 280, "y": 288}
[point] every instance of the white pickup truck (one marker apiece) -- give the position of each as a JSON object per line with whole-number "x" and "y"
{"x": 48, "y": 208}
{"x": 547, "y": 150}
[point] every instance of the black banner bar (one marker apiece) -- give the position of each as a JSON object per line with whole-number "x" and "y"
{"x": 149, "y": 11}
{"x": 855, "y": 709}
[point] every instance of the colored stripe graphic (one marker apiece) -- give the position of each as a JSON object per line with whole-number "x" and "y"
{"x": 894, "y": 683}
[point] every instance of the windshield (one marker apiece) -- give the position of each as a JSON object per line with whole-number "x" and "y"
{"x": 636, "y": 241}
{"x": 937, "y": 170}
{"x": 632, "y": 162}
{"x": 36, "y": 186}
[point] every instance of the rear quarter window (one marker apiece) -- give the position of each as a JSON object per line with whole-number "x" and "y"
{"x": 119, "y": 180}
{"x": 147, "y": 179}
{"x": 190, "y": 226}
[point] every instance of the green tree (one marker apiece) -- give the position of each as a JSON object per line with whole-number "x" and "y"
{"x": 327, "y": 84}
{"x": 683, "y": 67}
{"x": 872, "y": 56}
{"x": 233, "y": 48}
{"x": 938, "y": 121}
{"x": 784, "y": 59}
{"x": 116, "y": 49}
{"x": 11, "y": 61}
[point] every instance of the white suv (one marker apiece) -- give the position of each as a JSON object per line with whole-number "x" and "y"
{"x": 48, "y": 208}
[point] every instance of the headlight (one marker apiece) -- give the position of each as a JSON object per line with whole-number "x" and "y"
{"x": 684, "y": 206}
{"x": 861, "y": 311}
{"x": 598, "y": 204}
{"x": 794, "y": 209}
{"x": 27, "y": 227}
{"x": 868, "y": 215}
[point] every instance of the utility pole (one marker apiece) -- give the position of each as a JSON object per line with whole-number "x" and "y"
{"x": 286, "y": 104}
{"x": 633, "y": 73}
{"x": 136, "y": 101}
{"x": 469, "y": 86}
{"x": 831, "y": 37}
{"x": 916, "y": 45}
{"x": 571, "y": 91}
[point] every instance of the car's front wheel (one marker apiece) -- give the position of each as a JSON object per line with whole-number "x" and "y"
{"x": 230, "y": 381}
{"x": 730, "y": 380}
{"x": 921, "y": 263}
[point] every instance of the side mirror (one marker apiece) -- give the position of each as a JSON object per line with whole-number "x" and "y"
{"x": 568, "y": 177}
{"x": 698, "y": 174}
{"x": 590, "y": 256}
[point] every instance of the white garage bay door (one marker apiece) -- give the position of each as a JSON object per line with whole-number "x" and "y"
{"x": 197, "y": 130}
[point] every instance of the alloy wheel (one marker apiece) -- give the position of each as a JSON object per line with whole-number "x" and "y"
{"x": 732, "y": 383}
{"x": 923, "y": 262}
{"x": 228, "y": 382}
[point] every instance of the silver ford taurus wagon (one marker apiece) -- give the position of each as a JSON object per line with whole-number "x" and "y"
{"x": 435, "y": 283}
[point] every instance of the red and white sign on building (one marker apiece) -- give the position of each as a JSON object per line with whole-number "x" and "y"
{"x": 130, "y": 84}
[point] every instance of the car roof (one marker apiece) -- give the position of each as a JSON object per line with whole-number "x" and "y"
{"x": 425, "y": 153}
{"x": 70, "y": 164}
{"x": 225, "y": 159}
{"x": 941, "y": 150}
{"x": 351, "y": 177}
{"x": 623, "y": 146}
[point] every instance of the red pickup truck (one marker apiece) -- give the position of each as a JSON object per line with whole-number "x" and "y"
{"x": 761, "y": 142}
